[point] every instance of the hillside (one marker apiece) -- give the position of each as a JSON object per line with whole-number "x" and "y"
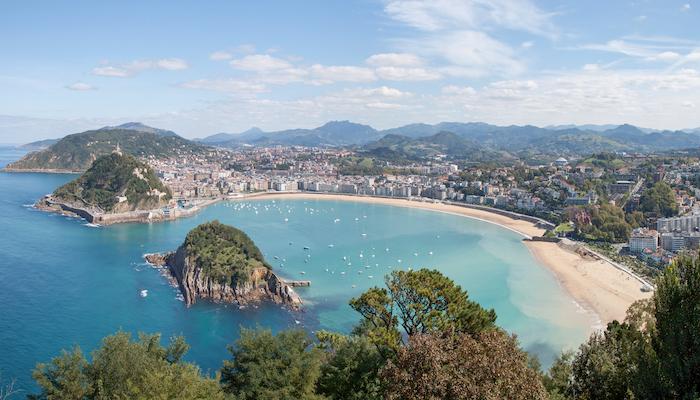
{"x": 333, "y": 133}
{"x": 115, "y": 183}
{"x": 76, "y": 152}
{"x": 222, "y": 264}
{"x": 397, "y": 147}
{"x": 39, "y": 144}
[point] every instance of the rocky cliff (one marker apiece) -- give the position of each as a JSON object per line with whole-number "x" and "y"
{"x": 193, "y": 282}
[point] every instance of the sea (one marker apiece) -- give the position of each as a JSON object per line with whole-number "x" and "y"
{"x": 64, "y": 283}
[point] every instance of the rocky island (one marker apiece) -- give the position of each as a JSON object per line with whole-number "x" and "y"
{"x": 116, "y": 188}
{"x": 220, "y": 263}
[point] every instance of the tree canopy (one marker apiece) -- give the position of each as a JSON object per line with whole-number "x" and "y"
{"x": 224, "y": 253}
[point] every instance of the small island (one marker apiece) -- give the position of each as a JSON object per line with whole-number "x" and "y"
{"x": 222, "y": 264}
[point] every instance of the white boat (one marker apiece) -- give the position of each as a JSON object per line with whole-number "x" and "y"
{"x": 302, "y": 272}
{"x": 331, "y": 245}
{"x": 143, "y": 293}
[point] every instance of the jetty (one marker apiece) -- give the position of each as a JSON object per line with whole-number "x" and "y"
{"x": 297, "y": 283}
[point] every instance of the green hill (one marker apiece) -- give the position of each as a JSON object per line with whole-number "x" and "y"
{"x": 224, "y": 253}
{"x": 77, "y": 152}
{"x": 115, "y": 183}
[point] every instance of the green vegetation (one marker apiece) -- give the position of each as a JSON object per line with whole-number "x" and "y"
{"x": 77, "y": 152}
{"x": 653, "y": 354}
{"x": 452, "y": 350}
{"x": 358, "y": 166}
{"x": 112, "y": 176}
{"x": 606, "y": 223}
{"x": 660, "y": 201}
{"x": 225, "y": 254}
{"x": 125, "y": 369}
{"x": 267, "y": 367}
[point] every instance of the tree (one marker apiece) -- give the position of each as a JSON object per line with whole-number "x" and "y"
{"x": 487, "y": 365}
{"x": 659, "y": 200}
{"x": 676, "y": 338}
{"x": 125, "y": 369}
{"x": 423, "y": 301}
{"x": 351, "y": 369}
{"x": 269, "y": 367}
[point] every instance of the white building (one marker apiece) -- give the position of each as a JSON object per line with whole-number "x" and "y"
{"x": 642, "y": 239}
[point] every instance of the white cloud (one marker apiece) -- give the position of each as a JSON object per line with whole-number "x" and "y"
{"x": 406, "y": 74}
{"x": 468, "y": 53}
{"x": 458, "y": 90}
{"x": 81, "y": 87}
{"x": 171, "y": 64}
{"x": 394, "y": 60}
{"x": 382, "y": 91}
{"x": 527, "y": 45}
{"x": 665, "y": 56}
{"x": 321, "y": 74}
{"x": 260, "y": 62}
{"x": 384, "y": 106}
{"x": 685, "y": 7}
{"x": 226, "y": 85}
{"x": 435, "y": 15}
{"x": 220, "y": 56}
{"x": 134, "y": 67}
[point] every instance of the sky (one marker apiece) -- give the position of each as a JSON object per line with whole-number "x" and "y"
{"x": 200, "y": 68}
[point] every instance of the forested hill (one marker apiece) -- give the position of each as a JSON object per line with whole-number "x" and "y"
{"x": 78, "y": 151}
{"x": 115, "y": 183}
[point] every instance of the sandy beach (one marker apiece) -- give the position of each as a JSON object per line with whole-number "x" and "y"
{"x": 595, "y": 284}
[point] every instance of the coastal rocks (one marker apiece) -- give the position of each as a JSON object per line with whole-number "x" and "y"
{"x": 261, "y": 285}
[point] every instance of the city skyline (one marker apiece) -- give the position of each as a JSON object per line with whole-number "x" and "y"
{"x": 203, "y": 70}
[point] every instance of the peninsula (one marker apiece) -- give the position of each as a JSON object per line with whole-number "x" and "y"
{"x": 222, "y": 264}
{"x": 116, "y": 188}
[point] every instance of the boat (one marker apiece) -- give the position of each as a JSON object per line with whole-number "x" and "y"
{"x": 276, "y": 258}
{"x": 143, "y": 293}
{"x": 331, "y": 245}
{"x": 302, "y": 272}
{"x": 307, "y": 248}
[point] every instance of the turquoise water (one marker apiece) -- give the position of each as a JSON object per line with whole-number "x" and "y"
{"x": 64, "y": 283}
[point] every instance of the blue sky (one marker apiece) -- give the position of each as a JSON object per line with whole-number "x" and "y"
{"x": 205, "y": 67}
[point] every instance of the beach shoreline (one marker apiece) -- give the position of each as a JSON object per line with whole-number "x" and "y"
{"x": 598, "y": 286}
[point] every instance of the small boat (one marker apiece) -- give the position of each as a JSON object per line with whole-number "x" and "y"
{"x": 336, "y": 220}
{"x": 342, "y": 272}
{"x": 430, "y": 253}
{"x": 361, "y": 255}
{"x": 286, "y": 220}
{"x": 276, "y": 258}
{"x": 364, "y": 234}
{"x": 357, "y": 219}
{"x": 302, "y": 272}
{"x": 307, "y": 248}
{"x": 370, "y": 277}
{"x": 143, "y": 293}
{"x": 331, "y": 245}
{"x": 387, "y": 249}
{"x": 297, "y": 322}
{"x": 354, "y": 286}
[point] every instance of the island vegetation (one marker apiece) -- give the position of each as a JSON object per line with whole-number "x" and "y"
{"x": 224, "y": 253}
{"x": 220, "y": 263}
{"x": 115, "y": 183}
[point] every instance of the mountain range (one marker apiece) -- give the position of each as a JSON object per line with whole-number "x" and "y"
{"x": 562, "y": 140}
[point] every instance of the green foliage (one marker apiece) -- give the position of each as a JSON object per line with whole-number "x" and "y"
{"x": 351, "y": 369}
{"x": 358, "y": 166}
{"x": 268, "y": 367}
{"x": 111, "y": 176}
{"x": 487, "y": 365}
{"x": 77, "y": 152}
{"x": 608, "y": 223}
{"x": 676, "y": 338}
{"x": 225, "y": 254}
{"x": 660, "y": 200}
{"x": 654, "y": 354}
{"x": 125, "y": 369}
{"x": 422, "y": 301}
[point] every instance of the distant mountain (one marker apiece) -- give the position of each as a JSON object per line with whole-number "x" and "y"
{"x": 334, "y": 133}
{"x": 397, "y": 147}
{"x": 39, "y": 144}
{"x": 139, "y": 127}
{"x": 76, "y": 152}
{"x": 219, "y": 138}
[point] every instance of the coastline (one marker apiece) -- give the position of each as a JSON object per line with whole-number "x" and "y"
{"x": 595, "y": 284}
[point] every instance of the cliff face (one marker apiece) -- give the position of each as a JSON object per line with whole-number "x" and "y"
{"x": 262, "y": 284}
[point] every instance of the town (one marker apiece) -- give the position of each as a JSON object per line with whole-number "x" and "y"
{"x": 637, "y": 209}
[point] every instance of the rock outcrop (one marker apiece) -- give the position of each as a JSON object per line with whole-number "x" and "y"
{"x": 262, "y": 284}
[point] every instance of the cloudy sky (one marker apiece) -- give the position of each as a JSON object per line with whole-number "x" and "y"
{"x": 221, "y": 66}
